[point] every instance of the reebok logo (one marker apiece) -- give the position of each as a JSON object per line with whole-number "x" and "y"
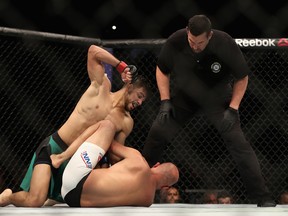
{"x": 256, "y": 42}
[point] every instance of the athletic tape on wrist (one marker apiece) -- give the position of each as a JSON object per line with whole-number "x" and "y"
{"x": 121, "y": 66}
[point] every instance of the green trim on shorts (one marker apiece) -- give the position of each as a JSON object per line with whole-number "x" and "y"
{"x": 54, "y": 191}
{"x": 25, "y": 184}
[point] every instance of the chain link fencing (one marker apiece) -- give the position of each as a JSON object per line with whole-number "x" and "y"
{"x": 43, "y": 77}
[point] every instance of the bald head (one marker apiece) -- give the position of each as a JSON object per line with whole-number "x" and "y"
{"x": 169, "y": 174}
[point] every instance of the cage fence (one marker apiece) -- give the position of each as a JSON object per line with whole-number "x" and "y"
{"x": 42, "y": 78}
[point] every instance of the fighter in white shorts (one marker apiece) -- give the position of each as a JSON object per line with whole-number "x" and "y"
{"x": 81, "y": 164}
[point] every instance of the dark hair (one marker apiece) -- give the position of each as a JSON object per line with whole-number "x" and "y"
{"x": 199, "y": 24}
{"x": 142, "y": 81}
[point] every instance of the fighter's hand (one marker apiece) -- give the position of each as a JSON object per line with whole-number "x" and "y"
{"x": 166, "y": 111}
{"x": 128, "y": 72}
{"x": 230, "y": 117}
{"x": 104, "y": 162}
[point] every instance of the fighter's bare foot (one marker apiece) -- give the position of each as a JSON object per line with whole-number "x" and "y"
{"x": 56, "y": 160}
{"x": 5, "y": 197}
{"x": 50, "y": 202}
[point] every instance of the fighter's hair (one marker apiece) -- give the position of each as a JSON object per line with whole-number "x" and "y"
{"x": 199, "y": 24}
{"x": 142, "y": 81}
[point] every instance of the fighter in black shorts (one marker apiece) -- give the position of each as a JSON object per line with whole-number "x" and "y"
{"x": 51, "y": 145}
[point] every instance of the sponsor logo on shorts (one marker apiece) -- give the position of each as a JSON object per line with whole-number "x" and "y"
{"x": 216, "y": 67}
{"x": 86, "y": 159}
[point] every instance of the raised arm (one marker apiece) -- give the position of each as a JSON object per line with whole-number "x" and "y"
{"x": 96, "y": 57}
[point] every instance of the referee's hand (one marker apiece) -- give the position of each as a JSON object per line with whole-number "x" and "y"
{"x": 230, "y": 117}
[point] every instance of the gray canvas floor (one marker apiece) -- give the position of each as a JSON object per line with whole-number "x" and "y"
{"x": 154, "y": 210}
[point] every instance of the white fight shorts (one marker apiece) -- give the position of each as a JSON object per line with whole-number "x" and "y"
{"x": 81, "y": 164}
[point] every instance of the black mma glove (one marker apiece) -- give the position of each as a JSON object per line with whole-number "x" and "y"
{"x": 230, "y": 117}
{"x": 134, "y": 73}
{"x": 166, "y": 111}
{"x": 121, "y": 66}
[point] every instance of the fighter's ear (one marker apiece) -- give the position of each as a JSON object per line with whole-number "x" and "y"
{"x": 156, "y": 165}
{"x": 210, "y": 35}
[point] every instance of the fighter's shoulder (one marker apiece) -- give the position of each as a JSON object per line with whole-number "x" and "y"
{"x": 137, "y": 161}
{"x": 128, "y": 123}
